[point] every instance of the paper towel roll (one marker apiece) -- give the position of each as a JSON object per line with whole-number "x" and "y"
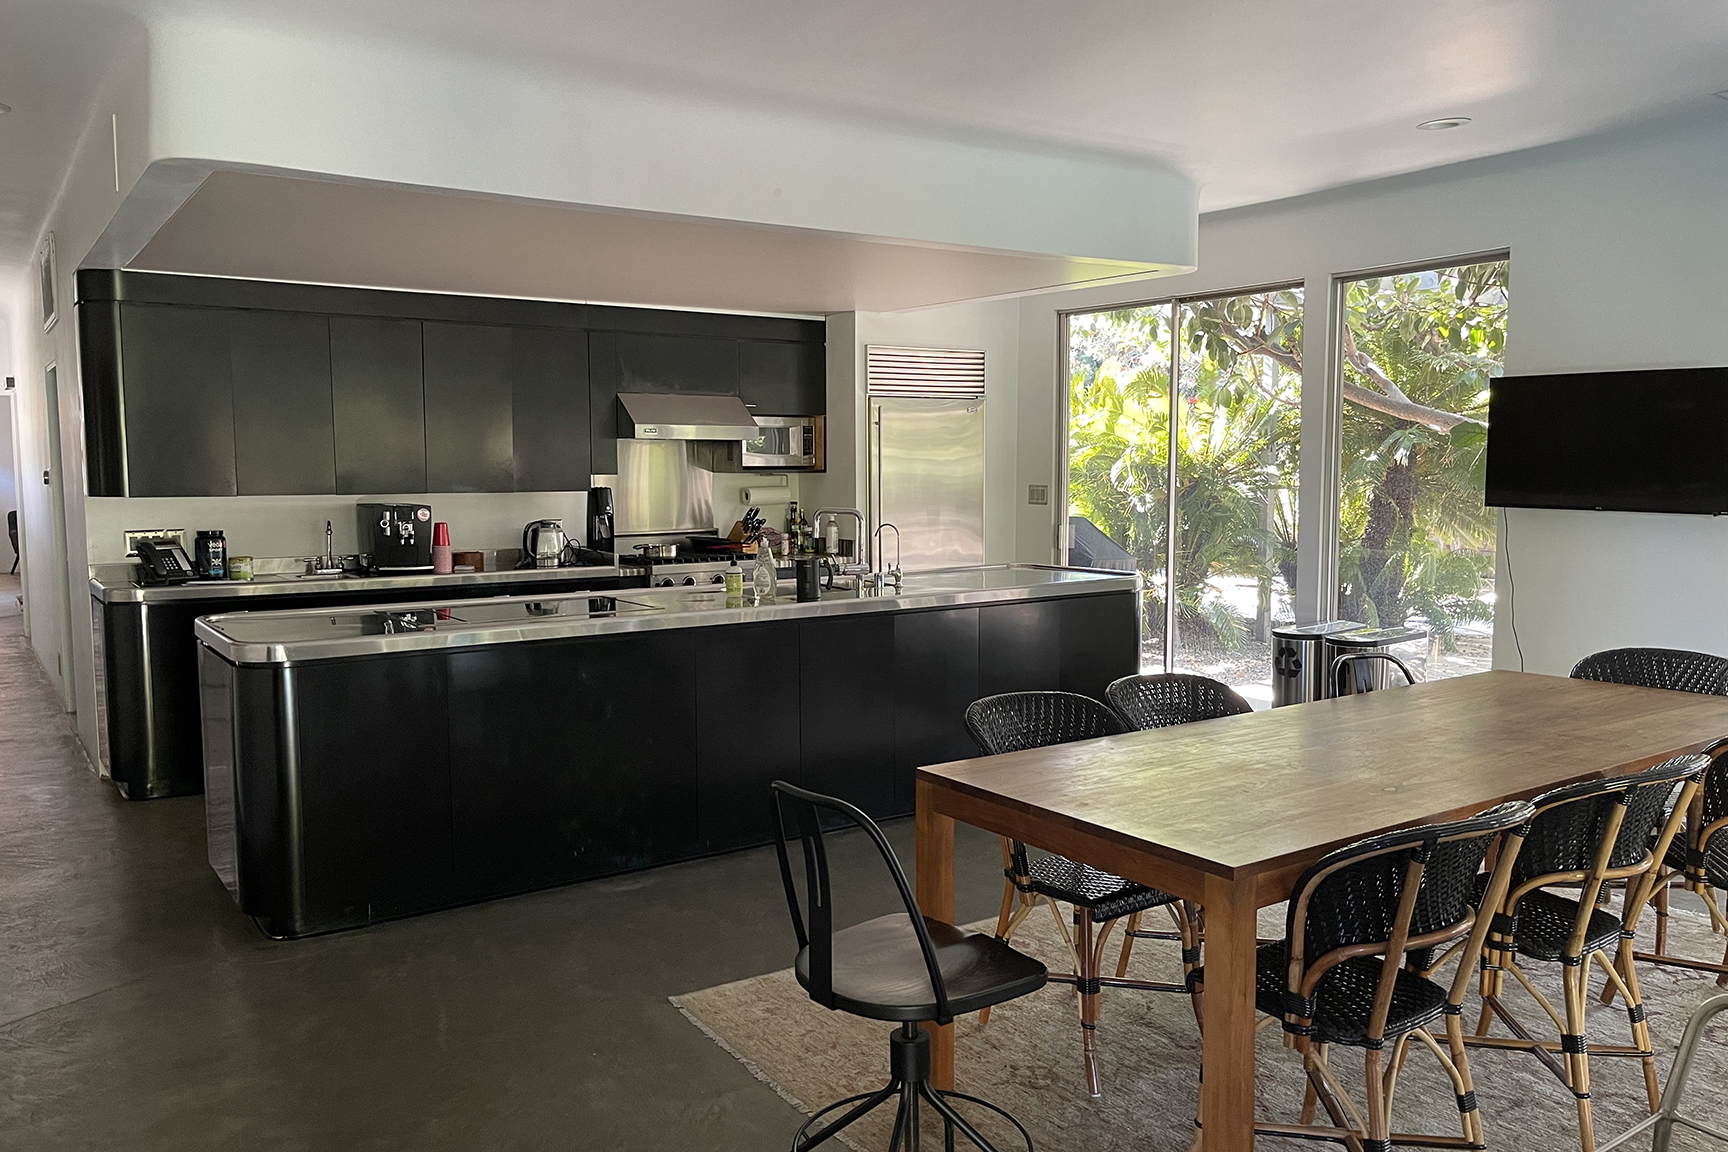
{"x": 768, "y": 490}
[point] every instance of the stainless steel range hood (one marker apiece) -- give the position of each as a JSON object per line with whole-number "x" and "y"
{"x": 656, "y": 416}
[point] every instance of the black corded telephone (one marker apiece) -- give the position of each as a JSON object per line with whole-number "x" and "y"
{"x": 165, "y": 562}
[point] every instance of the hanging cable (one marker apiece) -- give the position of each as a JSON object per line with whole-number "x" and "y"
{"x": 1511, "y": 588}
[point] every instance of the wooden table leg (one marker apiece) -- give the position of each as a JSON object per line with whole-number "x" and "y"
{"x": 1227, "y": 1063}
{"x": 935, "y": 883}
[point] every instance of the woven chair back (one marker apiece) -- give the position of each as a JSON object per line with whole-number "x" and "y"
{"x": 1671, "y": 668}
{"x": 1015, "y": 721}
{"x": 1352, "y": 898}
{"x": 1567, "y": 833}
{"x": 1166, "y": 698}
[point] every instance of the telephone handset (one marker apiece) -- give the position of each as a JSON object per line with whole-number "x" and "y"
{"x": 164, "y": 562}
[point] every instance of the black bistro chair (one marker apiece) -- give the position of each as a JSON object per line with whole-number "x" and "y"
{"x": 1584, "y": 836}
{"x": 1161, "y": 699}
{"x": 1697, "y": 859}
{"x": 903, "y": 967}
{"x": 12, "y": 535}
{"x": 1361, "y": 924}
{"x": 1013, "y": 722}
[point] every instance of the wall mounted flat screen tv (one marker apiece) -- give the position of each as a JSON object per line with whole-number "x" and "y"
{"x": 1648, "y": 441}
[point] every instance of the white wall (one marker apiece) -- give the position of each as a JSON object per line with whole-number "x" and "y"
{"x": 1619, "y": 249}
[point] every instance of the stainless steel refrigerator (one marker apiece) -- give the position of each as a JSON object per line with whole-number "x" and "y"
{"x": 927, "y": 479}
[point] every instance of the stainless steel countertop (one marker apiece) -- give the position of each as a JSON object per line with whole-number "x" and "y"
{"x": 298, "y": 635}
{"x": 116, "y": 583}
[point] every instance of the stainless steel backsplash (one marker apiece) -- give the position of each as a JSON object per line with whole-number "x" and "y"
{"x": 659, "y": 489}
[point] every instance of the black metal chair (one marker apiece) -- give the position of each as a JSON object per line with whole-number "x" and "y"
{"x": 1013, "y": 722}
{"x": 1353, "y": 672}
{"x": 1670, "y": 668}
{"x": 1162, "y": 699}
{"x": 903, "y": 967}
{"x": 12, "y": 534}
{"x": 1583, "y": 835}
{"x": 1347, "y": 973}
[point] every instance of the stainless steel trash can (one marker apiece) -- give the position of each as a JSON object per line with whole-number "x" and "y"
{"x": 1299, "y": 663}
{"x": 1373, "y": 675}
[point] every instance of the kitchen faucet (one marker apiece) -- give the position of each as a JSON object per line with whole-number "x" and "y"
{"x": 861, "y": 564}
{"x": 887, "y": 575}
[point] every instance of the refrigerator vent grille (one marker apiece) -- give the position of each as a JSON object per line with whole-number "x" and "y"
{"x": 945, "y": 373}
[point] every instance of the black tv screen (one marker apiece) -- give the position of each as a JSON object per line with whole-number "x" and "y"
{"x": 1649, "y": 441}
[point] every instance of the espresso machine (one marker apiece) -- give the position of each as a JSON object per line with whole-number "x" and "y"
{"x": 398, "y": 536}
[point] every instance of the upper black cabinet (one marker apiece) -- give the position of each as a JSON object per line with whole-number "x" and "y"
{"x": 380, "y": 405}
{"x": 178, "y": 402}
{"x": 198, "y": 386}
{"x": 284, "y": 421}
{"x": 782, "y": 378}
{"x": 470, "y": 430}
{"x": 651, "y": 362}
{"x": 549, "y": 409}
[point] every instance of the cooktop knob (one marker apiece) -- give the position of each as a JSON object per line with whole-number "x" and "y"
{"x": 689, "y": 581}
{"x": 717, "y": 578}
{"x": 665, "y": 583}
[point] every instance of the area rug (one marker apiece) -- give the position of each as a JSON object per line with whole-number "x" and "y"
{"x": 1027, "y": 1059}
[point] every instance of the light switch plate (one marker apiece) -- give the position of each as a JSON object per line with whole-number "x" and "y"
{"x": 1038, "y": 494}
{"x": 133, "y": 535}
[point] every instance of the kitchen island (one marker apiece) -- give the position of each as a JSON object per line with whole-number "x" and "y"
{"x": 368, "y": 763}
{"x": 147, "y": 660}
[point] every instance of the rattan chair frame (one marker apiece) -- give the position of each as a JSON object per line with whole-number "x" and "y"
{"x": 1089, "y": 938}
{"x": 1501, "y": 957}
{"x": 1368, "y": 1126}
{"x": 1705, "y": 818}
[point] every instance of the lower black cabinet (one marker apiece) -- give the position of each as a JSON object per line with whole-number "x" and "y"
{"x": 747, "y": 726}
{"x": 846, "y": 710}
{"x": 571, "y": 759}
{"x": 935, "y": 678}
{"x": 1100, "y": 642}
{"x": 374, "y": 788}
{"x": 1020, "y": 647}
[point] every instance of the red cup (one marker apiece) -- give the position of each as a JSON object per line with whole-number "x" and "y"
{"x": 441, "y": 534}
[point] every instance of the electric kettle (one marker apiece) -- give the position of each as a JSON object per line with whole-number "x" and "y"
{"x": 543, "y": 544}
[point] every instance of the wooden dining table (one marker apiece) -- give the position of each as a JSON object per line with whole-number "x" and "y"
{"x": 1229, "y": 812}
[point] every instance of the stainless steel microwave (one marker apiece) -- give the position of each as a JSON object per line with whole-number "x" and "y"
{"x": 787, "y": 442}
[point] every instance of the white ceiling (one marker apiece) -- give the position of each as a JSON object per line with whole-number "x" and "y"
{"x": 1259, "y": 99}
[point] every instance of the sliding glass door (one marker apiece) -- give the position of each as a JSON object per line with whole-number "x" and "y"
{"x": 1182, "y": 463}
{"x": 1416, "y": 545}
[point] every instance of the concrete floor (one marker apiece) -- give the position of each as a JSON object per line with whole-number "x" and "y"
{"x": 139, "y": 1010}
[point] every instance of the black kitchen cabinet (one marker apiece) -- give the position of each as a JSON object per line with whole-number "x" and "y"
{"x": 549, "y": 409}
{"x": 470, "y": 427}
{"x": 212, "y": 386}
{"x": 780, "y": 378}
{"x": 284, "y": 420}
{"x": 1100, "y": 642}
{"x": 571, "y": 759}
{"x": 846, "y": 710}
{"x": 603, "y": 402}
{"x": 1020, "y": 647}
{"x": 377, "y": 779}
{"x": 178, "y": 402}
{"x": 935, "y": 678}
{"x": 747, "y": 708}
{"x": 651, "y": 362}
{"x": 380, "y": 405}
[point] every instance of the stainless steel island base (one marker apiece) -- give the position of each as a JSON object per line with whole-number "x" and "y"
{"x": 365, "y": 764}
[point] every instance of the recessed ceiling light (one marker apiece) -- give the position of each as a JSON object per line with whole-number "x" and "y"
{"x": 1443, "y": 123}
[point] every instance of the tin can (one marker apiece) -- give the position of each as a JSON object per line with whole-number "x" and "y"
{"x": 239, "y": 567}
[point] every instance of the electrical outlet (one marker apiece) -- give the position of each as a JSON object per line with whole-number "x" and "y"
{"x": 172, "y": 535}
{"x": 1038, "y": 494}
